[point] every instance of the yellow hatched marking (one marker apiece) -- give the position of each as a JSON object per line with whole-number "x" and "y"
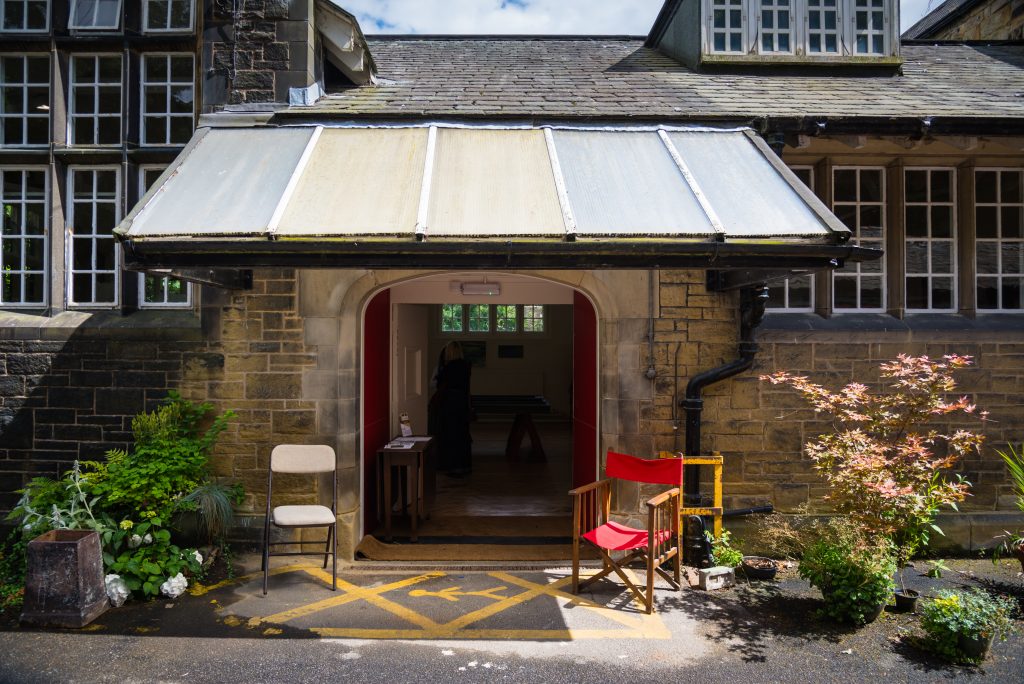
{"x": 641, "y": 621}
{"x": 453, "y": 593}
{"x": 352, "y": 593}
{"x": 641, "y": 626}
{"x": 200, "y": 589}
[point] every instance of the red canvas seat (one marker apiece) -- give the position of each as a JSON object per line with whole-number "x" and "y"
{"x": 617, "y": 537}
{"x": 656, "y": 544}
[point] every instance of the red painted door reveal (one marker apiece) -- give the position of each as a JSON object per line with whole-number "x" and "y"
{"x": 584, "y": 391}
{"x": 376, "y": 398}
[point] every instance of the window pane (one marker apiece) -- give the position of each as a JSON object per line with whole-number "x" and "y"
{"x": 533, "y": 318}
{"x": 479, "y": 318}
{"x": 451, "y": 318}
{"x": 505, "y": 318}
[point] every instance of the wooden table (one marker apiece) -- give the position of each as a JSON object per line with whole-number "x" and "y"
{"x": 414, "y": 464}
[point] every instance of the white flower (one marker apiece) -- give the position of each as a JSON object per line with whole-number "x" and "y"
{"x": 28, "y": 528}
{"x": 117, "y": 590}
{"x": 174, "y": 586}
{"x": 198, "y": 556}
{"x": 148, "y": 539}
{"x": 134, "y": 542}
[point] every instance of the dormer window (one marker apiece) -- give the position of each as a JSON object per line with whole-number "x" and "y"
{"x": 798, "y": 28}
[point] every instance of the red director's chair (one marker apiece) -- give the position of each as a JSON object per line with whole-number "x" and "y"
{"x": 656, "y": 545}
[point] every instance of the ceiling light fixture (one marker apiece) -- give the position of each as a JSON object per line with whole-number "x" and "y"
{"x": 488, "y": 289}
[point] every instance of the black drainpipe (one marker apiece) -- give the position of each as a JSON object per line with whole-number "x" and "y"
{"x": 752, "y": 303}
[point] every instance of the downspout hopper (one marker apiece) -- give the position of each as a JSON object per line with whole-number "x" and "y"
{"x": 752, "y": 304}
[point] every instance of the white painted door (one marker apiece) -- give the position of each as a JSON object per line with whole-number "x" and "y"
{"x": 411, "y": 366}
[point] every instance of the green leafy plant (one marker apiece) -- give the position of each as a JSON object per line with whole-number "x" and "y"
{"x": 955, "y": 616}
{"x": 215, "y": 506}
{"x": 12, "y": 570}
{"x": 144, "y": 556}
{"x": 936, "y": 568}
{"x": 1013, "y": 542}
{"x": 885, "y": 460}
{"x": 66, "y": 503}
{"x": 855, "y": 579}
{"x": 167, "y": 460}
{"x": 722, "y": 552}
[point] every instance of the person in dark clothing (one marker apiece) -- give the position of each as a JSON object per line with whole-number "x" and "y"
{"x": 451, "y": 406}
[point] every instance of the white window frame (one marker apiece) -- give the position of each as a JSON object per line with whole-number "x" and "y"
{"x": 176, "y": 29}
{"x": 998, "y": 241}
{"x": 799, "y": 29}
{"x": 823, "y": 32}
{"x": 492, "y": 320}
{"x": 781, "y": 287}
{"x": 853, "y": 9}
{"x": 929, "y": 274}
{"x": 26, "y": 115}
{"x": 743, "y": 29}
{"x": 70, "y": 238}
{"x": 74, "y": 115}
{"x": 775, "y": 9}
{"x": 22, "y": 236}
{"x": 168, "y": 87}
{"x": 24, "y": 4}
{"x": 854, "y": 271}
{"x": 93, "y": 27}
{"x": 143, "y": 304}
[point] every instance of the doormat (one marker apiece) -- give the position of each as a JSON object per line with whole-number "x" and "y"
{"x": 371, "y": 548}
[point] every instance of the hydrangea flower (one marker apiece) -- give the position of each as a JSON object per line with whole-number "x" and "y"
{"x": 117, "y": 590}
{"x": 126, "y": 524}
{"x": 174, "y": 586}
{"x": 134, "y": 542}
{"x": 148, "y": 539}
{"x": 198, "y": 556}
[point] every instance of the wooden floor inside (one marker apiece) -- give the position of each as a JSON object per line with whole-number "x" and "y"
{"x": 501, "y": 487}
{"x": 520, "y": 505}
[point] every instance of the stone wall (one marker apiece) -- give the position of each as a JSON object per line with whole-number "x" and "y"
{"x": 256, "y": 50}
{"x": 994, "y": 20}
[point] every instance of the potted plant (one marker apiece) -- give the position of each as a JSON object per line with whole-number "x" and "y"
{"x": 1011, "y": 543}
{"x": 885, "y": 461}
{"x": 855, "y": 578}
{"x": 961, "y": 626}
{"x": 722, "y": 552}
{"x": 759, "y": 568}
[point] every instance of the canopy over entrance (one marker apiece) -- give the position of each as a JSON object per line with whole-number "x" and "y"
{"x": 450, "y": 196}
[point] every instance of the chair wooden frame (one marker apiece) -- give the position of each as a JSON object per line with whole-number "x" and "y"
{"x": 308, "y": 460}
{"x": 662, "y": 543}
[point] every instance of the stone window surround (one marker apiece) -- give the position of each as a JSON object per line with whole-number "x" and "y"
{"x": 799, "y": 36}
{"x": 964, "y": 167}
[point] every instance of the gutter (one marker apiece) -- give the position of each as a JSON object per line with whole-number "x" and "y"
{"x": 752, "y": 305}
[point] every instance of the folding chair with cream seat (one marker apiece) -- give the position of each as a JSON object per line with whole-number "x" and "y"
{"x": 656, "y": 544}
{"x": 302, "y": 459}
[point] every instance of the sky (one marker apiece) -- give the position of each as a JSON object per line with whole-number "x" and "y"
{"x": 631, "y": 17}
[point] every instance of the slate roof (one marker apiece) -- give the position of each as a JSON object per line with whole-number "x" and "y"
{"x": 939, "y": 17}
{"x": 617, "y": 78}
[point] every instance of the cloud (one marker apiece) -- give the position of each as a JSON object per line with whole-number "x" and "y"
{"x": 633, "y": 17}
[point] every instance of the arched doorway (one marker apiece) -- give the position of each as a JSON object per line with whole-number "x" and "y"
{"x": 392, "y": 364}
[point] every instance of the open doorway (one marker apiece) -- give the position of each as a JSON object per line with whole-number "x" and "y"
{"x": 534, "y": 404}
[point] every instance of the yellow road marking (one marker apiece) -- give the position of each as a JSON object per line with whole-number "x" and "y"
{"x": 200, "y": 589}
{"x": 348, "y": 597}
{"x": 452, "y": 593}
{"x": 639, "y": 626}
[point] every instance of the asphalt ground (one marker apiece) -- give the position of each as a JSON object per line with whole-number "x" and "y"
{"x": 423, "y": 624}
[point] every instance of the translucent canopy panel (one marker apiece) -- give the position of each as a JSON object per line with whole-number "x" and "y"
{"x": 750, "y": 195}
{"x": 452, "y": 185}
{"x": 626, "y": 183}
{"x": 488, "y": 182}
{"x": 228, "y": 182}
{"x": 362, "y": 181}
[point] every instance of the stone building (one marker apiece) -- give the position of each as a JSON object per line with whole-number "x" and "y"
{"x": 971, "y": 20}
{"x": 613, "y": 202}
